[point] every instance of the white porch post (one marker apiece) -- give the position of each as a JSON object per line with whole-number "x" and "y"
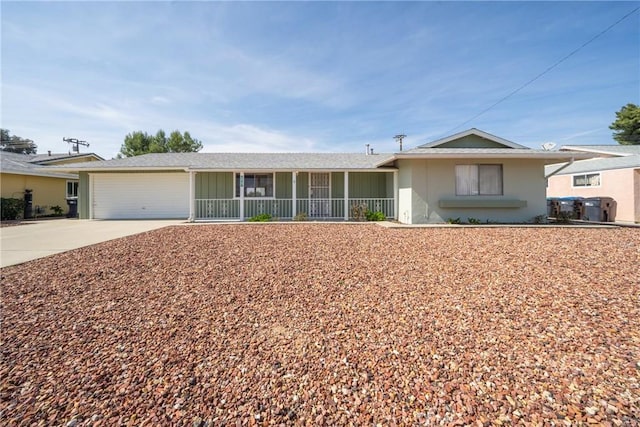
{"x": 192, "y": 196}
{"x": 294, "y": 176}
{"x": 396, "y": 191}
{"x": 241, "y": 196}
{"x": 346, "y": 195}
{"x": 91, "y": 195}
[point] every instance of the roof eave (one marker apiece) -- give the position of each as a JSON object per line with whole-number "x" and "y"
{"x": 595, "y": 151}
{"x": 60, "y": 175}
{"x": 300, "y": 169}
{"x": 543, "y": 156}
{"x": 119, "y": 168}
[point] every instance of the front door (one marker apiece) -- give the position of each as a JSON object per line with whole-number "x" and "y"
{"x": 320, "y": 195}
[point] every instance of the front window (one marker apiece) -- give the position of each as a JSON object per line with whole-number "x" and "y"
{"x": 72, "y": 189}
{"x": 255, "y": 185}
{"x": 586, "y": 180}
{"x": 478, "y": 180}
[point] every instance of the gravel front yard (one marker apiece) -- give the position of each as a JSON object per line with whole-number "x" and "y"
{"x": 327, "y": 324}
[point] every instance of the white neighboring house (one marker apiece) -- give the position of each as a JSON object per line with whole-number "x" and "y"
{"x": 614, "y": 173}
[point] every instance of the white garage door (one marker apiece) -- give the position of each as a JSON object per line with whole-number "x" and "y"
{"x": 140, "y": 195}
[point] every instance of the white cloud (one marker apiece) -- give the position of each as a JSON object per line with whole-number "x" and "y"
{"x": 160, "y": 100}
{"x": 247, "y": 138}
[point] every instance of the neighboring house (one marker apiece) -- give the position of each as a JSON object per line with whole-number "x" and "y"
{"x": 615, "y": 173}
{"x": 20, "y": 172}
{"x": 469, "y": 175}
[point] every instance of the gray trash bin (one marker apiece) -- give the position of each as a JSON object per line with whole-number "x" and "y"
{"x": 571, "y": 207}
{"x": 553, "y": 206}
{"x": 72, "y": 202}
{"x": 599, "y": 209}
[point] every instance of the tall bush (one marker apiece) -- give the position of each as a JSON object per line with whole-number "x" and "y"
{"x": 11, "y": 209}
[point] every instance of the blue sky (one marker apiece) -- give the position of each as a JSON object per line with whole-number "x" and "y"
{"x": 314, "y": 76}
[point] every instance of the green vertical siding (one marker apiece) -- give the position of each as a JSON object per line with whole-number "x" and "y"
{"x": 369, "y": 184}
{"x": 302, "y": 187}
{"x": 337, "y": 185}
{"x": 471, "y": 141}
{"x": 83, "y": 195}
{"x": 390, "y": 189}
{"x": 283, "y": 185}
{"x": 214, "y": 185}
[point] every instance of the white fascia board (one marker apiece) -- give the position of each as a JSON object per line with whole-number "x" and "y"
{"x": 61, "y": 175}
{"x": 388, "y": 169}
{"x": 543, "y": 156}
{"x": 122, "y": 169}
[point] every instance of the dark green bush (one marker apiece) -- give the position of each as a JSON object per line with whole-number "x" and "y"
{"x": 375, "y": 216}
{"x": 265, "y": 217}
{"x": 12, "y": 209}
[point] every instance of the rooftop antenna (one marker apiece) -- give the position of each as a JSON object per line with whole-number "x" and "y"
{"x": 75, "y": 144}
{"x": 399, "y": 138}
{"x": 548, "y": 146}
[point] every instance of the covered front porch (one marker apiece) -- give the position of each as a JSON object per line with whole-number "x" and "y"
{"x": 322, "y": 195}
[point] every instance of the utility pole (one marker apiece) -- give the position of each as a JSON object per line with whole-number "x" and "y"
{"x": 399, "y": 138}
{"x": 76, "y": 143}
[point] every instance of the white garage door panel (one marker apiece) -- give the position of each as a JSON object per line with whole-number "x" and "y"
{"x": 140, "y": 195}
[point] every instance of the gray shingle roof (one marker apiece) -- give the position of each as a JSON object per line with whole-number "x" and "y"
{"x": 237, "y": 161}
{"x": 614, "y": 149}
{"x": 597, "y": 165}
{"x": 22, "y": 164}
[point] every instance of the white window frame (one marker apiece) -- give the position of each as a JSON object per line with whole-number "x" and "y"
{"x": 235, "y": 186}
{"x": 77, "y": 188}
{"x": 479, "y": 184}
{"x": 586, "y": 179}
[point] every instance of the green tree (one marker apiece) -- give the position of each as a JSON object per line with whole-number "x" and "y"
{"x": 626, "y": 127}
{"x": 182, "y": 143}
{"x": 16, "y": 144}
{"x": 137, "y": 143}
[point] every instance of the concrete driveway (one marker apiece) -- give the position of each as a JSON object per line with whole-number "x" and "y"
{"x": 36, "y": 239}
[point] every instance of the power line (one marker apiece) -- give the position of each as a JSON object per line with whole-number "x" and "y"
{"x": 545, "y": 71}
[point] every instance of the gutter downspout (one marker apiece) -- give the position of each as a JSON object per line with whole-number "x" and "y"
{"x": 566, "y": 165}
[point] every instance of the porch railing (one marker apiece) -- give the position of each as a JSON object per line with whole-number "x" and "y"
{"x": 222, "y": 209}
{"x": 217, "y": 209}
{"x": 386, "y": 206}
{"x": 321, "y": 208}
{"x": 277, "y": 208}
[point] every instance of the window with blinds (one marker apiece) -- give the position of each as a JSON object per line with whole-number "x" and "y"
{"x": 478, "y": 180}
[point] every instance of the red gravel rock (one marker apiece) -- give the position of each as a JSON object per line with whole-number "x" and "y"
{"x": 326, "y": 324}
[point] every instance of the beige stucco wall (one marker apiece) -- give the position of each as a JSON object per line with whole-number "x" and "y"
{"x": 47, "y": 191}
{"x": 426, "y": 182}
{"x": 623, "y": 185}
